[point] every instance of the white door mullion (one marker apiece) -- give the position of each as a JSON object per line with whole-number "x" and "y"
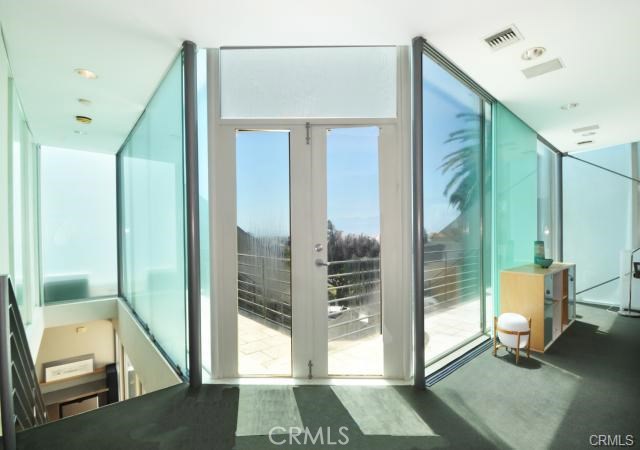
{"x": 318, "y": 306}
{"x": 301, "y": 252}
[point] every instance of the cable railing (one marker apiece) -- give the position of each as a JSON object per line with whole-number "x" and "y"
{"x": 451, "y": 276}
{"x": 22, "y": 405}
{"x": 353, "y": 293}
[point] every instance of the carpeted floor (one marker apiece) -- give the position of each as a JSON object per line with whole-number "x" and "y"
{"x": 587, "y": 383}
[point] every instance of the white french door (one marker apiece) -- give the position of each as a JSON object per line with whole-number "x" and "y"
{"x": 312, "y": 251}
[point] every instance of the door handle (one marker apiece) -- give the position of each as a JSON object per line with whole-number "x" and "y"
{"x": 320, "y": 262}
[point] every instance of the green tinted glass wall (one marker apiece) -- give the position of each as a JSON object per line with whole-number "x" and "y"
{"x": 515, "y": 193}
{"x": 151, "y": 202}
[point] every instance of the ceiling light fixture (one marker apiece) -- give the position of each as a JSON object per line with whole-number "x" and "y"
{"x": 86, "y": 73}
{"x": 589, "y": 133}
{"x": 84, "y": 101}
{"x": 83, "y": 119}
{"x": 533, "y": 53}
{"x": 569, "y": 106}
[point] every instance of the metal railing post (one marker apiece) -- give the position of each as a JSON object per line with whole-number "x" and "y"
{"x": 6, "y": 382}
{"x": 194, "y": 299}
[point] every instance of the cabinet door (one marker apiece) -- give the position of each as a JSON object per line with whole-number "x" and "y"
{"x": 572, "y": 293}
{"x": 548, "y": 320}
{"x": 557, "y": 318}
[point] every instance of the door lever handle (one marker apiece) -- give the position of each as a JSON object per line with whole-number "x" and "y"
{"x": 320, "y": 262}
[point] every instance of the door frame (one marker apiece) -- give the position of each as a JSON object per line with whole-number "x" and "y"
{"x": 395, "y": 211}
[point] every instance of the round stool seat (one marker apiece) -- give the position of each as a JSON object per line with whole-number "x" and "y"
{"x": 513, "y": 322}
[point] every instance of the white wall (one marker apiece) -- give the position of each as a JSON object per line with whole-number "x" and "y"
{"x": 68, "y": 341}
{"x": 152, "y": 369}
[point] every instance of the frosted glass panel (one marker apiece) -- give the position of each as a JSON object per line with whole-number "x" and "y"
{"x": 597, "y": 225}
{"x": 308, "y": 82}
{"x": 515, "y": 193}
{"x": 452, "y": 160}
{"x": 78, "y": 217}
{"x": 152, "y": 218}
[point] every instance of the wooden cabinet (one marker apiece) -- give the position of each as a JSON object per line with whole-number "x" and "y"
{"x": 547, "y": 296}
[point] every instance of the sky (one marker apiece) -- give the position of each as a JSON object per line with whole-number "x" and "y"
{"x": 262, "y": 168}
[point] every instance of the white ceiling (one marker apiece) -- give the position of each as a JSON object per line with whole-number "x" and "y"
{"x": 131, "y": 43}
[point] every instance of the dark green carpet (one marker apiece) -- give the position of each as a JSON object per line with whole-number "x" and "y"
{"x": 587, "y": 383}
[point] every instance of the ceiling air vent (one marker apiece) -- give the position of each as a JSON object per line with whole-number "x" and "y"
{"x": 503, "y": 38}
{"x": 589, "y": 128}
{"x": 541, "y": 69}
{"x": 584, "y": 142}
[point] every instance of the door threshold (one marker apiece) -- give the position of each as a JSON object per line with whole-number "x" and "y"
{"x": 288, "y": 381}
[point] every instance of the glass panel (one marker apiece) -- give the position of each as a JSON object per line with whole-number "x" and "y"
{"x": 17, "y": 200}
{"x": 598, "y": 224}
{"x": 264, "y": 253}
{"x": 515, "y": 194}
{"x": 152, "y": 218}
{"x": 78, "y": 229}
{"x": 308, "y": 82}
{"x": 203, "y": 179}
{"x": 353, "y": 211}
{"x": 487, "y": 217}
{"x": 452, "y": 158}
{"x": 547, "y": 199}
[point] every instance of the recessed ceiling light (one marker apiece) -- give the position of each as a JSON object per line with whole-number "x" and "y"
{"x": 84, "y": 101}
{"x": 83, "y": 119}
{"x": 589, "y": 133}
{"x": 569, "y": 106}
{"x": 86, "y": 73}
{"x": 533, "y": 53}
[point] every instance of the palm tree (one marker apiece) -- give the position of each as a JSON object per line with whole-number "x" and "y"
{"x": 464, "y": 162}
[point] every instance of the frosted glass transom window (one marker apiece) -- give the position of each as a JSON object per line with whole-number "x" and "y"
{"x": 312, "y": 82}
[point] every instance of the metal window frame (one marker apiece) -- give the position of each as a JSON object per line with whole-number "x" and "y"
{"x": 421, "y": 47}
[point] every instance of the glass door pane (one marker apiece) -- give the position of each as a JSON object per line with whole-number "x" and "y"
{"x": 353, "y": 238}
{"x": 452, "y": 211}
{"x": 264, "y": 252}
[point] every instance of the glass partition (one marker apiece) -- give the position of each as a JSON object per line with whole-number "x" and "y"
{"x": 547, "y": 200}
{"x": 151, "y": 190}
{"x": 17, "y": 152}
{"x": 78, "y": 218}
{"x": 453, "y": 183}
{"x": 22, "y": 171}
{"x": 597, "y": 219}
{"x": 515, "y": 194}
{"x": 203, "y": 190}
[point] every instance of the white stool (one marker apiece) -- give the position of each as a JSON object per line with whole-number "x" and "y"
{"x": 511, "y": 330}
